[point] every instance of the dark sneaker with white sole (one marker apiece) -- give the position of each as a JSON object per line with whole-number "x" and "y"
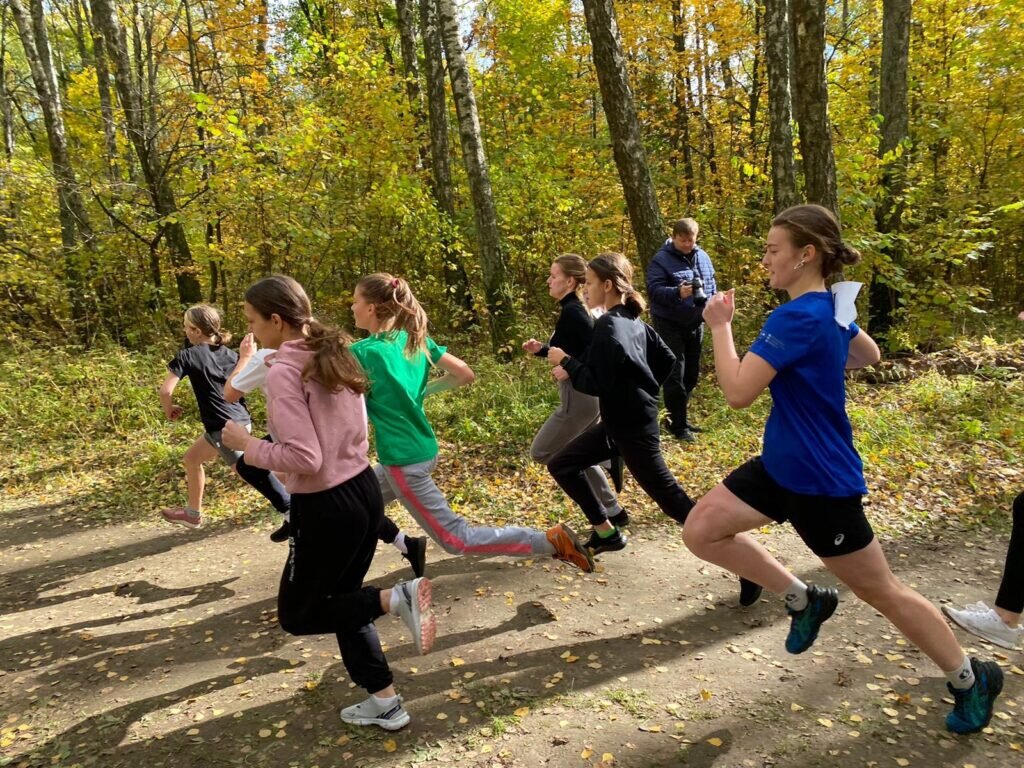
{"x": 804, "y": 625}
{"x": 598, "y": 544}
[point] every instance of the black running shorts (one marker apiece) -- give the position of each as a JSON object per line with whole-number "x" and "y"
{"x": 829, "y": 525}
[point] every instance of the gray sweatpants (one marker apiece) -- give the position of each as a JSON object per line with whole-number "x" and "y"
{"x": 413, "y": 486}
{"x": 575, "y": 414}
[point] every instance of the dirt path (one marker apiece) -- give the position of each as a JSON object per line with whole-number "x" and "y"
{"x": 135, "y": 644}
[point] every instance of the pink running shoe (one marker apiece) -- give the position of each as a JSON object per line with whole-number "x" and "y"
{"x": 182, "y": 516}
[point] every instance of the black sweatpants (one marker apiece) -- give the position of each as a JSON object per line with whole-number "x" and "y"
{"x": 266, "y": 482}
{"x": 1011, "y": 588}
{"x": 642, "y": 455}
{"x": 334, "y": 535}
{"x": 686, "y": 346}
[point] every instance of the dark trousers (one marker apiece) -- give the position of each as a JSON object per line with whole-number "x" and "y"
{"x": 389, "y": 530}
{"x": 334, "y": 535}
{"x": 642, "y": 455}
{"x": 686, "y": 346}
{"x": 1011, "y": 588}
{"x": 266, "y": 482}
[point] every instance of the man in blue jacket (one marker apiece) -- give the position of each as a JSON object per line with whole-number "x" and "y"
{"x": 677, "y": 317}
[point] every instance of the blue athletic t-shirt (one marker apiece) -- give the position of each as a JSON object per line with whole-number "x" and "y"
{"x": 808, "y": 440}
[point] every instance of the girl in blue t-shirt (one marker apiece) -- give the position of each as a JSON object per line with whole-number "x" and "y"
{"x": 809, "y": 472}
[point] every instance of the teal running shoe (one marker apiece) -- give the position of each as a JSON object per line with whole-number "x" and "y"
{"x": 972, "y": 708}
{"x": 804, "y": 625}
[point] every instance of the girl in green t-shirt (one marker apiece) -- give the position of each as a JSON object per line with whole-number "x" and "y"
{"x": 398, "y": 357}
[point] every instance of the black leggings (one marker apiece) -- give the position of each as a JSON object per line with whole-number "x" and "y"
{"x": 642, "y": 455}
{"x": 266, "y": 482}
{"x": 334, "y": 535}
{"x": 1011, "y": 588}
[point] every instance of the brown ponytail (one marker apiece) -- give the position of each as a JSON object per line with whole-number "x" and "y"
{"x": 332, "y": 365}
{"x": 394, "y": 301}
{"x": 206, "y": 318}
{"x": 816, "y": 225}
{"x": 615, "y": 267}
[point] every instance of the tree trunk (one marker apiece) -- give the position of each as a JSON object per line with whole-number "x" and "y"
{"x": 776, "y": 45}
{"x": 6, "y": 113}
{"x": 682, "y": 98}
{"x": 455, "y": 278}
{"x": 105, "y": 15}
{"x": 411, "y": 74}
{"x": 74, "y": 220}
{"x": 106, "y": 107}
{"x": 496, "y": 288}
{"x": 895, "y": 129}
{"x": 810, "y": 102}
{"x": 624, "y": 127}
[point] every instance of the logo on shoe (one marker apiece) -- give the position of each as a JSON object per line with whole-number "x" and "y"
{"x": 839, "y": 539}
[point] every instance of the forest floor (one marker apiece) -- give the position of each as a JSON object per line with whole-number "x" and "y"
{"x": 136, "y": 642}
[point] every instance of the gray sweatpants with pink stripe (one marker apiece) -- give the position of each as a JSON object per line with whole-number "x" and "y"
{"x": 413, "y": 486}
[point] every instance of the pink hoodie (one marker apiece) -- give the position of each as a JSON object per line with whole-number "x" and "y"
{"x": 320, "y": 436}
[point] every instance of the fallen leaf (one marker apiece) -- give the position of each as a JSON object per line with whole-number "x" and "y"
{"x": 714, "y": 741}
{"x": 442, "y": 716}
{"x": 705, "y": 694}
{"x": 586, "y": 753}
{"x": 795, "y": 707}
{"x": 265, "y": 733}
{"x": 825, "y": 722}
{"x": 522, "y": 712}
{"x": 390, "y": 745}
{"x": 457, "y": 662}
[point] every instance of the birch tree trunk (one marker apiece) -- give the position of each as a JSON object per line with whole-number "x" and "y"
{"x": 810, "y": 102}
{"x": 895, "y": 129}
{"x": 624, "y": 127}
{"x": 109, "y": 26}
{"x": 411, "y": 75}
{"x": 74, "y": 220}
{"x": 455, "y": 278}
{"x": 776, "y": 44}
{"x": 492, "y": 259}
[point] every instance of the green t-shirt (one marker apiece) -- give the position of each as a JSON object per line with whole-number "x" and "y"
{"x": 395, "y": 400}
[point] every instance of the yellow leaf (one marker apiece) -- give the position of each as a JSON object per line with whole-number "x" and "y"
{"x": 705, "y": 694}
{"x": 192, "y": 732}
{"x": 856, "y": 719}
{"x": 795, "y": 707}
{"x": 901, "y": 761}
{"x": 586, "y": 753}
{"x": 390, "y": 745}
{"x": 522, "y": 712}
{"x": 342, "y": 741}
{"x": 457, "y": 662}
{"x": 825, "y": 722}
{"x": 265, "y": 732}
{"x": 714, "y": 741}
{"x": 890, "y": 712}
{"x": 442, "y": 716}
{"x": 607, "y": 757}
{"x": 651, "y": 728}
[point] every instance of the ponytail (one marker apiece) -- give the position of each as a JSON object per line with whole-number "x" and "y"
{"x": 206, "y": 318}
{"x": 615, "y": 267}
{"x": 396, "y": 307}
{"x": 333, "y": 365}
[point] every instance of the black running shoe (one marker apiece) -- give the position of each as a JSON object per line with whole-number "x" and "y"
{"x": 972, "y": 708}
{"x": 693, "y": 428}
{"x": 804, "y": 625}
{"x": 417, "y": 554}
{"x": 598, "y": 544}
{"x": 620, "y": 520}
{"x": 282, "y": 533}
{"x": 750, "y": 592}
{"x": 616, "y": 470}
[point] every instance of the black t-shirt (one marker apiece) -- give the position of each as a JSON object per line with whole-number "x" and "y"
{"x": 208, "y": 367}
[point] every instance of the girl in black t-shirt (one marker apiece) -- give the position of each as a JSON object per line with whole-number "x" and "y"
{"x": 207, "y": 363}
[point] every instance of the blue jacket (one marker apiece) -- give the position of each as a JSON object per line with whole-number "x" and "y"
{"x": 667, "y": 271}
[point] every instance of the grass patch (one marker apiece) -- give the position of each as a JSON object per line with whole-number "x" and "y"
{"x": 85, "y": 429}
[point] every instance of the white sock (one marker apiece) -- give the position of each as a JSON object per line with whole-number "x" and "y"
{"x": 796, "y": 595}
{"x": 399, "y": 543}
{"x": 962, "y": 677}
{"x": 385, "y": 702}
{"x": 395, "y": 597}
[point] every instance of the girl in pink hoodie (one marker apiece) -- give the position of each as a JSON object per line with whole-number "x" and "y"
{"x": 315, "y": 406}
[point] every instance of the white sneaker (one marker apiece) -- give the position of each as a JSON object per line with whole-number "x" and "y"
{"x": 390, "y": 716}
{"x": 415, "y": 609}
{"x": 986, "y": 624}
